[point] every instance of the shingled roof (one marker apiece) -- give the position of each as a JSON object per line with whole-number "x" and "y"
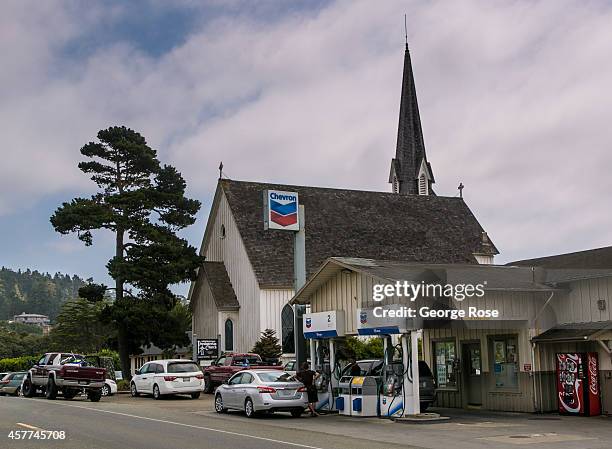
{"x": 600, "y": 258}
{"x": 353, "y": 223}
{"x": 220, "y": 286}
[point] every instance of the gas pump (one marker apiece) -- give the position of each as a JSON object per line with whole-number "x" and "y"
{"x": 320, "y": 329}
{"x": 399, "y": 392}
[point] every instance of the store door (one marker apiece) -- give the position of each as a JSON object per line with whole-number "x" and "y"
{"x": 472, "y": 373}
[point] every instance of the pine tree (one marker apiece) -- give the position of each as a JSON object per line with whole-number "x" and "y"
{"x": 268, "y": 346}
{"x": 143, "y": 204}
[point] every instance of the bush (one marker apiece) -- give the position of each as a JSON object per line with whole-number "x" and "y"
{"x": 123, "y": 385}
{"x": 17, "y": 363}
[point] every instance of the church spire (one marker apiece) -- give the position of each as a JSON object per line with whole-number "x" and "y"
{"x": 410, "y": 172}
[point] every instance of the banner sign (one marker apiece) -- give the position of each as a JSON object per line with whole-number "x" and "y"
{"x": 207, "y": 348}
{"x": 281, "y": 210}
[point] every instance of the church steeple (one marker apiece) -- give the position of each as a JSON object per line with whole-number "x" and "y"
{"x": 410, "y": 172}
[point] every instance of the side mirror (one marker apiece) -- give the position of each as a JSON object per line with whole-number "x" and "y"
{"x": 137, "y": 372}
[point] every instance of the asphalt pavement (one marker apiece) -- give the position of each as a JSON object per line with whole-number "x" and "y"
{"x": 179, "y": 422}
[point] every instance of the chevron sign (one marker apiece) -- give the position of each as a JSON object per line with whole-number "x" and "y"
{"x": 281, "y": 210}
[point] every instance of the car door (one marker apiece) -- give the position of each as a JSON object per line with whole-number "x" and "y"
{"x": 138, "y": 379}
{"x": 230, "y": 391}
{"x": 215, "y": 373}
{"x": 244, "y": 389}
{"x": 149, "y": 379}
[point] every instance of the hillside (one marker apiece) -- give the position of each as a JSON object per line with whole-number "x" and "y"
{"x": 35, "y": 292}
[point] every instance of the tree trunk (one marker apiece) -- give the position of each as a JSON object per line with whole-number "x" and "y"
{"x": 122, "y": 339}
{"x": 124, "y": 354}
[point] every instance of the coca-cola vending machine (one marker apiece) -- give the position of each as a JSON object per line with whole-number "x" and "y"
{"x": 578, "y": 383}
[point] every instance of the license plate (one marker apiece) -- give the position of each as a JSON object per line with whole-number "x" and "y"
{"x": 186, "y": 379}
{"x": 286, "y": 393}
{"x": 83, "y": 382}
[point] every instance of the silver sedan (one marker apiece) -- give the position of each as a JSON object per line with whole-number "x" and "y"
{"x": 261, "y": 390}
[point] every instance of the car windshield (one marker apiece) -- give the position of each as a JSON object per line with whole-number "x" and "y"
{"x": 251, "y": 360}
{"x": 279, "y": 376}
{"x": 182, "y": 367}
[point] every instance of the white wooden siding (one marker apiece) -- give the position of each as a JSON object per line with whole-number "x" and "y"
{"x": 580, "y": 304}
{"x": 271, "y": 306}
{"x": 232, "y": 252}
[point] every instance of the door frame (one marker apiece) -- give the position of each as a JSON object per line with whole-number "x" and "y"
{"x": 464, "y": 385}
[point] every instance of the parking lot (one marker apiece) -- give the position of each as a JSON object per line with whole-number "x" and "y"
{"x": 123, "y": 421}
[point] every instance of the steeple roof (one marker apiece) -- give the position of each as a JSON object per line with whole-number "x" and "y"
{"x": 410, "y": 150}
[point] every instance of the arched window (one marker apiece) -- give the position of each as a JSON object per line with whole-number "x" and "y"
{"x": 288, "y": 342}
{"x": 229, "y": 335}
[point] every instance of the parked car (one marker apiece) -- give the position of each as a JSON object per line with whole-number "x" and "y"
{"x": 257, "y": 390}
{"x": 11, "y": 383}
{"x": 229, "y": 364}
{"x": 109, "y": 388}
{"x": 64, "y": 373}
{"x": 164, "y": 377}
{"x": 374, "y": 367}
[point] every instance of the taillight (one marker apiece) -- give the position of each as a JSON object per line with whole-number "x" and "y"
{"x": 200, "y": 376}
{"x": 266, "y": 390}
{"x": 169, "y": 378}
{"x": 301, "y": 389}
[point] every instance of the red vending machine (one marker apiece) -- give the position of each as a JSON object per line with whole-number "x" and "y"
{"x": 578, "y": 383}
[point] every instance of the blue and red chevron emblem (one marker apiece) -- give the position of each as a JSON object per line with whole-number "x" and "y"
{"x": 281, "y": 210}
{"x": 283, "y": 214}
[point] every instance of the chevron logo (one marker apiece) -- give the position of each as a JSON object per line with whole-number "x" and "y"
{"x": 283, "y": 209}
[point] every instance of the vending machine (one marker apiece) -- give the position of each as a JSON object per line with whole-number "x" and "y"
{"x": 578, "y": 383}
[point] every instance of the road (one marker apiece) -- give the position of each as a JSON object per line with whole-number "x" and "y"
{"x": 122, "y": 422}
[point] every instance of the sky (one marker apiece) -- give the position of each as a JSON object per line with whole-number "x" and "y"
{"x": 515, "y": 103}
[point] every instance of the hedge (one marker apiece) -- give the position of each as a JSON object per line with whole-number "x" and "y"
{"x": 18, "y": 363}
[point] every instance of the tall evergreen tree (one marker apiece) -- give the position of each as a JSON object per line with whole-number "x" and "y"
{"x": 144, "y": 204}
{"x": 268, "y": 346}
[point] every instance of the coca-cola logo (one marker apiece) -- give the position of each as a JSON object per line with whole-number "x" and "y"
{"x": 593, "y": 384}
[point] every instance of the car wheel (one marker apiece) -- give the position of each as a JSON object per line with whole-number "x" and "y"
{"x": 297, "y": 413}
{"x": 18, "y": 391}
{"x": 219, "y": 404}
{"x": 29, "y": 390}
{"x": 208, "y": 385}
{"x": 133, "y": 390}
{"x": 195, "y": 395}
{"x": 249, "y": 409}
{"x": 106, "y": 391}
{"x": 156, "y": 393}
{"x": 94, "y": 395}
{"x": 51, "y": 391}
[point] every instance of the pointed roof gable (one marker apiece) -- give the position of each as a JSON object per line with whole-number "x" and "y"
{"x": 410, "y": 150}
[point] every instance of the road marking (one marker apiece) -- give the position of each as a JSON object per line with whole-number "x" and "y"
{"x": 192, "y": 426}
{"x": 27, "y": 426}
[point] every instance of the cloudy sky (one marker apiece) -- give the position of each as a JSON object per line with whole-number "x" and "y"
{"x": 515, "y": 100}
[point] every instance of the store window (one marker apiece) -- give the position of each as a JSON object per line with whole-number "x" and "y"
{"x": 445, "y": 363}
{"x": 229, "y": 335}
{"x": 505, "y": 362}
{"x": 288, "y": 342}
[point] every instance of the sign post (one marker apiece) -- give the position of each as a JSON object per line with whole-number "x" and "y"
{"x": 282, "y": 211}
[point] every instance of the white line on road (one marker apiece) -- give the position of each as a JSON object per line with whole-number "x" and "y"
{"x": 227, "y": 432}
{"x": 27, "y": 426}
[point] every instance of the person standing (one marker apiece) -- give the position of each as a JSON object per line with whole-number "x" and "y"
{"x": 308, "y": 377}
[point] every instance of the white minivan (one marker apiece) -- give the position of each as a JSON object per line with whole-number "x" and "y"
{"x": 162, "y": 377}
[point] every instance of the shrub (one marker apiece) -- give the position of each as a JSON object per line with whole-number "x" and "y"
{"x": 123, "y": 385}
{"x": 17, "y": 363}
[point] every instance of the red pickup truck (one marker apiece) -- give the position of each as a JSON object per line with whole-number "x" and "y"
{"x": 229, "y": 364}
{"x": 66, "y": 373}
